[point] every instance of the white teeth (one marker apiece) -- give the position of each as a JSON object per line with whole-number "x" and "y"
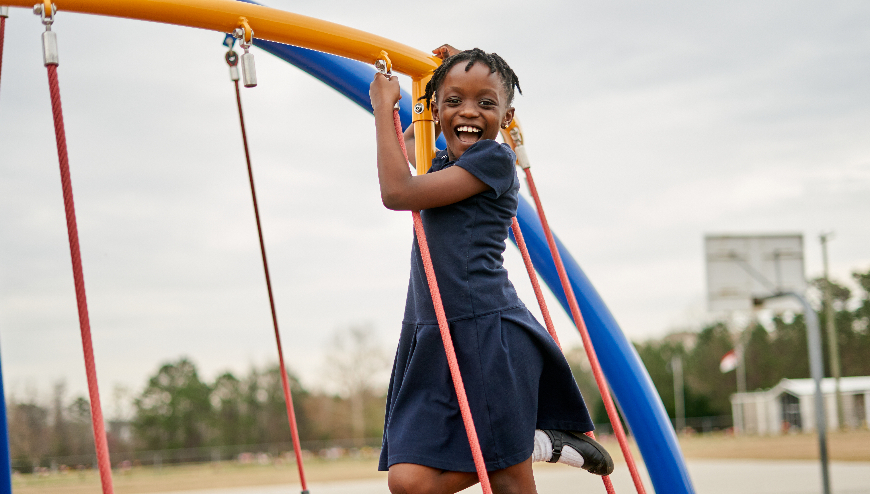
{"x": 466, "y": 128}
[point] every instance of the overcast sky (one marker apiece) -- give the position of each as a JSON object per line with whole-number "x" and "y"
{"x": 648, "y": 126}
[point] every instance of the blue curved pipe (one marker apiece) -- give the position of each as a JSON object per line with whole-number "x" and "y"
{"x": 631, "y": 385}
{"x": 5, "y": 456}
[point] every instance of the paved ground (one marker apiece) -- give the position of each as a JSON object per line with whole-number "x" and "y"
{"x": 708, "y": 476}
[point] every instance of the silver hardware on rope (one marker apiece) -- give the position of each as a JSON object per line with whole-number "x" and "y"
{"x": 249, "y": 70}
{"x": 49, "y": 37}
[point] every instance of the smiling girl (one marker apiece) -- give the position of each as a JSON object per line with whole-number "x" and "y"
{"x": 520, "y": 389}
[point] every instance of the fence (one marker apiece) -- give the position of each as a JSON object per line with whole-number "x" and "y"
{"x": 243, "y": 453}
{"x": 270, "y": 453}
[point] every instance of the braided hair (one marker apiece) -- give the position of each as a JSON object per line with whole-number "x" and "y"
{"x": 491, "y": 60}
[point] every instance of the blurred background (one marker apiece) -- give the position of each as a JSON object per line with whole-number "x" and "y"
{"x": 648, "y": 126}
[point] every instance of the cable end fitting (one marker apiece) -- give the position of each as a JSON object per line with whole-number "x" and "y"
{"x": 49, "y": 48}
{"x": 46, "y": 11}
{"x": 232, "y": 59}
{"x": 4, "y": 11}
{"x": 245, "y": 35}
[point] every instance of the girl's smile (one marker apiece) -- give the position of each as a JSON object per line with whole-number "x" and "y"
{"x": 471, "y": 105}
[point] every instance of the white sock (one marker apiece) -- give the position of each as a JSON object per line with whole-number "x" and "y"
{"x": 544, "y": 451}
{"x": 543, "y": 447}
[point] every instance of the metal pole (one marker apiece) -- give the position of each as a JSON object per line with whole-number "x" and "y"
{"x": 831, "y": 330}
{"x": 814, "y": 342}
{"x": 741, "y": 364}
{"x": 679, "y": 396}
{"x": 740, "y": 374}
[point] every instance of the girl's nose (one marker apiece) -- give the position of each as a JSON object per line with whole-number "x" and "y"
{"x": 468, "y": 110}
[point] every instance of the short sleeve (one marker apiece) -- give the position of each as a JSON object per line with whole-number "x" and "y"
{"x": 492, "y": 163}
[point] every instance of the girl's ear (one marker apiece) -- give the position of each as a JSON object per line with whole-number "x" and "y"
{"x": 435, "y": 116}
{"x": 508, "y": 118}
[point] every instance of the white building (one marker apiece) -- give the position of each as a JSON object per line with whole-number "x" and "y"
{"x": 789, "y": 406}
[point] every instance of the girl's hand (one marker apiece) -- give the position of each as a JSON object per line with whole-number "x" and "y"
{"x": 445, "y": 51}
{"x": 384, "y": 92}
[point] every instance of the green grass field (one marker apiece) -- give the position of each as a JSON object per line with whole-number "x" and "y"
{"x": 850, "y": 446}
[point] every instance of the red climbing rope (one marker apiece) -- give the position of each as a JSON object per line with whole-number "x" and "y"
{"x": 587, "y": 343}
{"x": 521, "y": 244}
{"x": 288, "y": 397}
{"x": 530, "y": 268}
{"x": 2, "y": 35}
{"x": 464, "y": 409}
{"x": 90, "y": 367}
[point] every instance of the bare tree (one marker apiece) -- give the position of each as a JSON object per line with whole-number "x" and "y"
{"x": 354, "y": 365}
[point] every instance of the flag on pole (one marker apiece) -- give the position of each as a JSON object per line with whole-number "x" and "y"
{"x": 728, "y": 362}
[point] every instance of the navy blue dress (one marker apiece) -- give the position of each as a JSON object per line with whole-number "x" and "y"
{"x": 515, "y": 376}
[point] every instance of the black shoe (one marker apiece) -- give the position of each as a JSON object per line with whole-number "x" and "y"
{"x": 596, "y": 459}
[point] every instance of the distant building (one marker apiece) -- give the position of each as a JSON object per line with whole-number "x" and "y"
{"x": 788, "y": 406}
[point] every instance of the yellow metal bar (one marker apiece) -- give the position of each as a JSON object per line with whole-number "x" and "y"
{"x": 424, "y": 129}
{"x": 267, "y": 23}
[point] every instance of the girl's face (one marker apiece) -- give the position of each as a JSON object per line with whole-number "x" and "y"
{"x": 471, "y": 106}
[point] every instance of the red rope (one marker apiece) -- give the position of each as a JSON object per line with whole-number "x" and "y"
{"x": 587, "y": 343}
{"x": 530, "y": 268}
{"x": 90, "y": 367}
{"x": 521, "y": 244}
{"x": 464, "y": 409}
{"x": 288, "y": 397}
{"x": 2, "y": 35}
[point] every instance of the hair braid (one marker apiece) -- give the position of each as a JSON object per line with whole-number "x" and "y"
{"x": 493, "y": 61}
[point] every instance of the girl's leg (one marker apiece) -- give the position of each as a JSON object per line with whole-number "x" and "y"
{"x": 409, "y": 478}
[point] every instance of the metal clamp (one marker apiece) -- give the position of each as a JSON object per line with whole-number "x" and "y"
{"x": 385, "y": 67}
{"x": 46, "y": 11}
{"x": 245, "y": 35}
{"x": 4, "y": 11}
{"x": 519, "y": 147}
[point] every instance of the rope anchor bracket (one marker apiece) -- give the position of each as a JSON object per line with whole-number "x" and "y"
{"x": 46, "y": 11}
{"x": 245, "y": 35}
{"x": 385, "y": 67}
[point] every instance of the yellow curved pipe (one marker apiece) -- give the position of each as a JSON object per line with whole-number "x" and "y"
{"x": 267, "y": 23}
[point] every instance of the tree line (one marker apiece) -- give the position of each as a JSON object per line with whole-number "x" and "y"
{"x": 178, "y": 409}
{"x": 770, "y": 353}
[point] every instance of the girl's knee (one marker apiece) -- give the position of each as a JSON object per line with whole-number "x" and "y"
{"x": 396, "y": 484}
{"x": 404, "y": 484}
{"x": 417, "y": 479}
{"x": 402, "y": 481}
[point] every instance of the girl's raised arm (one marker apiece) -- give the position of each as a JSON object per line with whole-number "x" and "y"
{"x": 400, "y": 190}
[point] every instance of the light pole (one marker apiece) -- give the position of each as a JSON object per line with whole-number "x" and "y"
{"x": 679, "y": 396}
{"x": 814, "y": 342}
{"x": 831, "y": 330}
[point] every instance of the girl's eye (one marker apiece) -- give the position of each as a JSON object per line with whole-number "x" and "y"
{"x": 487, "y": 103}
{"x": 451, "y": 101}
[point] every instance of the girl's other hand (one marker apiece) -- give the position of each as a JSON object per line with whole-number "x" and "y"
{"x": 384, "y": 92}
{"x": 445, "y": 51}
